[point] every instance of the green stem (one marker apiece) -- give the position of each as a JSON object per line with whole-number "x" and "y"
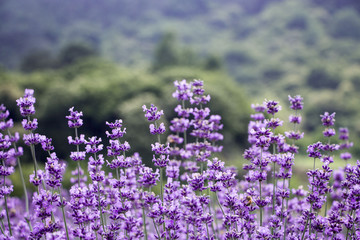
{"x": 100, "y": 208}
{"x": 78, "y": 166}
{"x": 157, "y": 231}
{"x": 2, "y": 224}
{"x": 6, "y": 206}
{"x": 307, "y": 221}
{"x": 353, "y": 227}
{"x": 162, "y": 191}
{"x": 21, "y": 177}
{"x": 260, "y": 207}
{"x": 77, "y": 150}
{"x": 207, "y": 231}
{"x": 32, "y": 149}
{"x": 274, "y": 191}
{"x": 161, "y": 186}
{"x": 2, "y": 231}
{"x": 144, "y": 222}
{"x": 7, "y": 213}
{"x": 217, "y": 198}
{"x": 143, "y": 214}
{"x": 63, "y": 214}
{"x": 215, "y": 220}
{"x": 282, "y": 201}
{"x": 261, "y": 152}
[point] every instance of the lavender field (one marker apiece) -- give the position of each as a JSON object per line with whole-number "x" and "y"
{"x": 112, "y": 194}
{"x": 166, "y": 119}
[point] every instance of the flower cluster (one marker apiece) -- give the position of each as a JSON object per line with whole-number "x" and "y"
{"x": 190, "y": 193}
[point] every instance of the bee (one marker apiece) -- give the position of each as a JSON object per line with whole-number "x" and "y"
{"x": 170, "y": 139}
{"x": 248, "y": 200}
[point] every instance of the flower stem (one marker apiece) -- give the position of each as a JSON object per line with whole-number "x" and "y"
{"x": 144, "y": 222}
{"x": 7, "y": 214}
{"x": 78, "y": 165}
{"x": 260, "y": 207}
{"x": 161, "y": 186}
{"x": 77, "y": 150}
{"x": 100, "y": 208}
{"x": 261, "y": 152}
{"x": 157, "y": 231}
{"x": 21, "y": 177}
{"x": 63, "y": 214}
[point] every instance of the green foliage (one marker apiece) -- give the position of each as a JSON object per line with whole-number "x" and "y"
{"x": 37, "y": 60}
{"x": 273, "y": 48}
{"x": 105, "y": 92}
{"x": 212, "y": 63}
{"x": 319, "y": 78}
{"x": 298, "y": 21}
{"x": 165, "y": 53}
{"x": 346, "y": 24}
{"x": 75, "y": 52}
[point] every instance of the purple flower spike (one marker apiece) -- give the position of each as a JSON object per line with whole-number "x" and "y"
{"x": 296, "y": 102}
{"x": 160, "y": 130}
{"x": 38, "y": 179}
{"x": 54, "y": 171}
{"x": 329, "y": 132}
{"x": 328, "y": 119}
{"x": 46, "y": 144}
{"x": 152, "y": 114}
{"x": 74, "y": 118}
{"x": 272, "y": 106}
{"x": 183, "y": 91}
{"x": 345, "y": 156}
{"x": 198, "y": 90}
{"x": 26, "y": 103}
{"x": 344, "y": 134}
{"x": 4, "y": 113}
{"x": 30, "y": 125}
{"x": 78, "y": 156}
{"x": 314, "y": 150}
{"x": 295, "y": 119}
{"x": 258, "y": 108}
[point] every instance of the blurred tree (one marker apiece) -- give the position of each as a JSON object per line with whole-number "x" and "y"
{"x": 239, "y": 57}
{"x": 335, "y": 5}
{"x": 37, "y": 60}
{"x": 319, "y": 78}
{"x": 272, "y": 72}
{"x": 356, "y": 83}
{"x": 346, "y": 24}
{"x": 165, "y": 53}
{"x": 213, "y": 62}
{"x": 74, "y": 52}
{"x": 188, "y": 57}
{"x": 298, "y": 21}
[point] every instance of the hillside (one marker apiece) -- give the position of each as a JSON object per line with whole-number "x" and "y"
{"x": 273, "y": 48}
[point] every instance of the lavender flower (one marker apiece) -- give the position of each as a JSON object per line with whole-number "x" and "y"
{"x": 272, "y": 106}
{"x": 74, "y": 118}
{"x": 328, "y": 119}
{"x": 296, "y": 102}
{"x": 200, "y": 196}
{"x": 26, "y": 103}
{"x": 183, "y": 90}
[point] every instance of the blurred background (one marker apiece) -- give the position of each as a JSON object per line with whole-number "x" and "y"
{"x": 108, "y": 58}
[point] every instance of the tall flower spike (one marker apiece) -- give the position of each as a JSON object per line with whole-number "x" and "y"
{"x": 74, "y": 119}
{"x": 296, "y": 102}
{"x": 26, "y": 103}
{"x": 328, "y": 119}
{"x": 198, "y": 93}
{"x": 152, "y": 114}
{"x": 183, "y": 90}
{"x": 272, "y": 106}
